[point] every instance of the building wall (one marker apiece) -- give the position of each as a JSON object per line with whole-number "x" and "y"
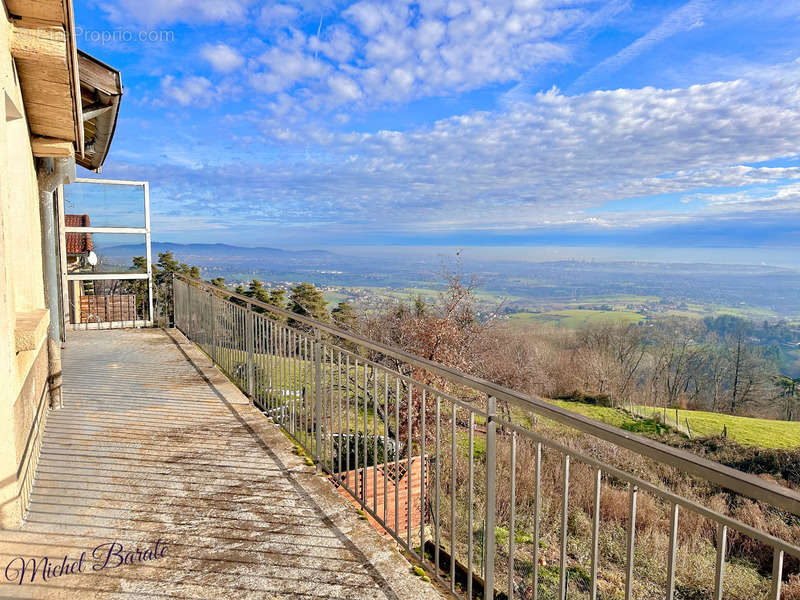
{"x": 23, "y": 375}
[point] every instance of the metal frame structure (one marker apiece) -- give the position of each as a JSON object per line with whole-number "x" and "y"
{"x": 148, "y": 275}
{"x": 313, "y": 379}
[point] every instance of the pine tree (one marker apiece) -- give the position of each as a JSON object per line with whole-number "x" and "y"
{"x": 162, "y": 281}
{"x": 307, "y": 300}
{"x": 344, "y": 316}
{"x": 257, "y": 291}
{"x": 277, "y": 297}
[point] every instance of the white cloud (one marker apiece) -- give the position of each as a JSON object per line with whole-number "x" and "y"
{"x": 285, "y": 67}
{"x": 786, "y": 197}
{"x": 222, "y": 57}
{"x": 344, "y": 88}
{"x": 395, "y": 52}
{"x": 156, "y": 12}
{"x": 554, "y": 160}
{"x": 278, "y": 15}
{"x": 190, "y": 90}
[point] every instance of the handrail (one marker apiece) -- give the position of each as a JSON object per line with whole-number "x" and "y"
{"x": 724, "y": 476}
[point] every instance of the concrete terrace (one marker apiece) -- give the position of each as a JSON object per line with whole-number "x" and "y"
{"x": 154, "y": 443}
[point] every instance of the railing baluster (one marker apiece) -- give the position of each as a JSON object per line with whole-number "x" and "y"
{"x": 298, "y": 380}
{"x": 777, "y": 575}
{"x": 408, "y": 467}
{"x": 308, "y": 408}
{"x": 268, "y": 365}
{"x": 366, "y": 435}
{"x": 438, "y": 447}
{"x": 347, "y": 419}
{"x": 287, "y": 396}
{"x": 317, "y": 344}
{"x": 511, "y": 525}
{"x": 719, "y": 573}
{"x": 491, "y": 495}
{"x": 537, "y": 503}
{"x": 397, "y": 457}
{"x": 470, "y": 500}
{"x": 341, "y": 436}
{"x": 250, "y": 335}
{"x": 598, "y": 482}
{"x": 564, "y": 522}
{"x": 355, "y": 435}
{"x": 331, "y": 424}
{"x": 422, "y": 474}
{"x": 673, "y": 551}
{"x": 214, "y": 330}
{"x": 453, "y": 496}
{"x": 281, "y": 380}
{"x": 386, "y": 448}
{"x": 375, "y": 440}
{"x": 290, "y": 382}
{"x": 631, "y": 544}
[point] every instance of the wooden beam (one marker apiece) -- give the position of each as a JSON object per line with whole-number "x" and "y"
{"x": 93, "y": 110}
{"x": 44, "y": 10}
{"x": 44, "y": 147}
{"x": 42, "y": 123}
{"x": 39, "y": 45}
{"x": 72, "y": 53}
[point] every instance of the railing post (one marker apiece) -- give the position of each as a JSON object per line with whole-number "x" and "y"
{"x": 317, "y": 393}
{"x": 250, "y": 336}
{"x": 491, "y": 495}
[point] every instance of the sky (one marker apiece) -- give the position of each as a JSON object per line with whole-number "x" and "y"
{"x": 616, "y": 124}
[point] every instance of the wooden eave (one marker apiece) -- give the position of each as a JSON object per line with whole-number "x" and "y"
{"x": 42, "y": 34}
{"x": 101, "y": 92}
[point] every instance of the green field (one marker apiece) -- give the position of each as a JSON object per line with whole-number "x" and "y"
{"x": 333, "y": 298}
{"x": 612, "y": 416}
{"x": 764, "y": 433}
{"x": 574, "y": 317}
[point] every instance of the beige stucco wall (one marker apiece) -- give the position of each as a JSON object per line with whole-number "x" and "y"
{"x": 23, "y": 375}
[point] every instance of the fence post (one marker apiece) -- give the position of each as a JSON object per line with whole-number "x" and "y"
{"x": 491, "y": 495}
{"x": 250, "y": 336}
{"x": 317, "y": 394}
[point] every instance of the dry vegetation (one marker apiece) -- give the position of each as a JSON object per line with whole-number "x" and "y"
{"x": 608, "y": 364}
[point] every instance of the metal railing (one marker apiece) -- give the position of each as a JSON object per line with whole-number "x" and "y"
{"x": 357, "y": 406}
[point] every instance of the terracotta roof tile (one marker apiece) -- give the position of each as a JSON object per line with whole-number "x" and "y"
{"x": 78, "y": 243}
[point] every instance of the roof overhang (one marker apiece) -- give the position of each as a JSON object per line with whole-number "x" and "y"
{"x": 101, "y": 92}
{"x": 42, "y": 40}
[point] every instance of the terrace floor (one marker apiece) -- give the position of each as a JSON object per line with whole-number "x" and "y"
{"x": 155, "y": 445}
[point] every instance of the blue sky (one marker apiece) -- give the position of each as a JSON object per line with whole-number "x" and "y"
{"x": 464, "y": 122}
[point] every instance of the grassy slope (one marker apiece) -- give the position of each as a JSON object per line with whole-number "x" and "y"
{"x": 763, "y": 433}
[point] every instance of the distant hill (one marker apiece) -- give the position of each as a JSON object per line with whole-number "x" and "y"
{"x": 229, "y": 251}
{"x": 212, "y": 254}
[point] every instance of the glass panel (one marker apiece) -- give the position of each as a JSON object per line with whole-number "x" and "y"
{"x": 104, "y": 205}
{"x": 110, "y": 253}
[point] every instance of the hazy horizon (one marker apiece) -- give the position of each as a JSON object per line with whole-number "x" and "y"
{"x": 776, "y": 257}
